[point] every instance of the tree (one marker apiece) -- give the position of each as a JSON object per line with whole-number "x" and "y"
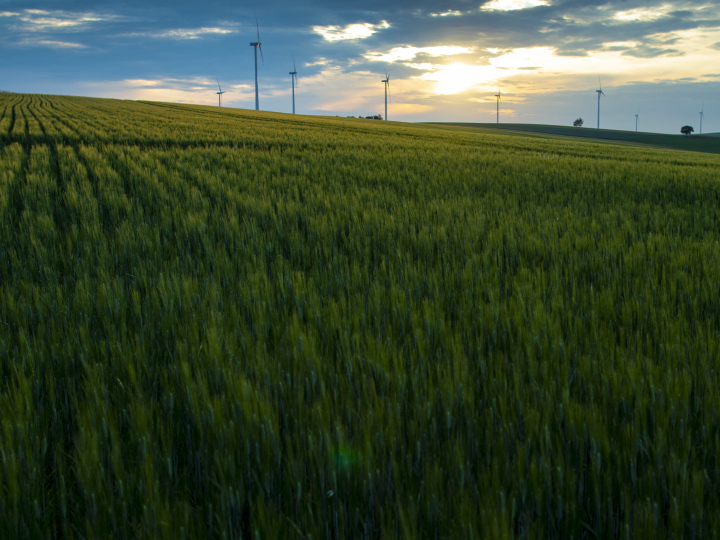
{"x": 686, "y": 130}
{"x": 578, "y": 123}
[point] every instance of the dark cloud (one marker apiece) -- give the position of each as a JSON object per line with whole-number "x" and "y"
{"x": 561, "y": 52}
{"x": 572, "y": 26}
{"x": 643, "y": 51}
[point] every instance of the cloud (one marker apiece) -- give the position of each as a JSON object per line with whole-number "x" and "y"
{"x": 51, "y": 43}
{"x": 620, "y": 45}
{"x": 408, "y": 53}
{"x": 572, "y": 52}
{"x": 449, "y": 13}
{"x": 521, "y": 57}
{"x": 643, "y": 14}
{"x": 716, "y": 46}
{"x": 512, "y": 5}
{"x": 184, "y": 33}
{"x": 39, "y": 20}
{"x": 321, "y": 61}
{"x": 349, "y": 32}
{"x": 424, "y": 66}
{"x": 198, "y": 90}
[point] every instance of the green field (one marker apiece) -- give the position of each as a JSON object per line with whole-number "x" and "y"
{"x": 219, "y": 323}
{"x": 694, "y": 143}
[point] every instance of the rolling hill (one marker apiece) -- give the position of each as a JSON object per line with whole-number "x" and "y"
{"x": 694, "y": 143}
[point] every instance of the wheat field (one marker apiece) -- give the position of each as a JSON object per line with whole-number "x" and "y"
{"x": 219, "y": 323}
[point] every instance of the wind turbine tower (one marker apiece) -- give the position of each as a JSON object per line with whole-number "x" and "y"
{"x": 637, "y": 116}
{"x": 386, "y": 80}
{"x": 220, "y": 93}
{"x": 498, "y": 106}
{"x": 599, "y": 93}
{"x": 257, "y": 45}
{"x": 293, "y": 74}
{"x": 702, "y": 113}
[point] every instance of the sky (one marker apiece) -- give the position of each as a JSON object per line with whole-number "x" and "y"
{"x": 655, "y": 58}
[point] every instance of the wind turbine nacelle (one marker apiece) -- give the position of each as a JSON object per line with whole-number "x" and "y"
{"x": 255, "y": 44}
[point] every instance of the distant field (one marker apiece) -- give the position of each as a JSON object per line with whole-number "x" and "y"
{"x": 220, "y": 323}
{"x": 696, "y": 143}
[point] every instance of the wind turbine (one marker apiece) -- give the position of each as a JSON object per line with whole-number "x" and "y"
{"x": 386, "y": 80}
{"x": 702, "y": 113}
{"x": 257, "y": 45}
{"x": 599, "y": 93}
{"x": 637, "y": 116}
{"x": 220, "y": 93}
{"x": 498, "y": 105}
{"x": 294, "y": 82}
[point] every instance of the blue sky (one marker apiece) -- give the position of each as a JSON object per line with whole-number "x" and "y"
{"x": 446, "y": 60}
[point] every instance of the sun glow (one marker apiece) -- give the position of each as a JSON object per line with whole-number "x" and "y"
{"x": 457, "y": 77}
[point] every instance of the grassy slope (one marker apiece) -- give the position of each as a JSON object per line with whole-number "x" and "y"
{"x": 231, "y": 324}
{"x": 695, "y": 143}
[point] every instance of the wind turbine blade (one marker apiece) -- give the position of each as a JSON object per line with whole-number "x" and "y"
{"x": 257, "y": 26}
{"x": 261, "y": 54}
{"x": 294, "y": 68}
{"x": 219, "y": 87}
